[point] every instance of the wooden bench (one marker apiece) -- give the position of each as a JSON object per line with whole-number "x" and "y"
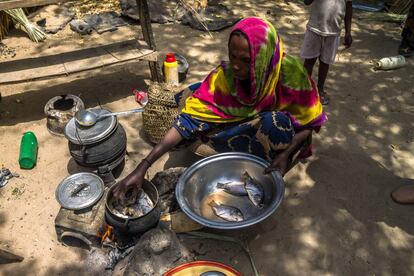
{"x": 54, "y": 58}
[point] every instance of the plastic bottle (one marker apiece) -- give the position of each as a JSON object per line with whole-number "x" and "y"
{"x": 171, "y": 69}
{"x": 390, "y": 63}
{"x": 140, "y": 97}
{"x": 28, "y": 151}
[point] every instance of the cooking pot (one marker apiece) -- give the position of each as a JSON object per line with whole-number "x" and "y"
{"x": 98, "y": 145}
{"x": 102, "y": 152}
{"x": 134, "y": 225}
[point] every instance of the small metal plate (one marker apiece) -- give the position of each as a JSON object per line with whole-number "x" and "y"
{"x": 79, "y": 191}
{"x": 89, "y": 135}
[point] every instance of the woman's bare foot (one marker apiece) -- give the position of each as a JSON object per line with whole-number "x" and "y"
{"x": 404, "y": 195}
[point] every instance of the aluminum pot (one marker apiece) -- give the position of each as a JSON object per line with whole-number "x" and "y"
{"x": 197, "y": 188}
{"x": 134, "y": 225}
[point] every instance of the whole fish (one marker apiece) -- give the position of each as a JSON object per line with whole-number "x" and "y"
{"x": 226, "y": 212}
{"x": 142, "y": 206}
{"x": 234, "y": 188}
{"x": 144, "y": 203}
{"x": 254, "y": 190}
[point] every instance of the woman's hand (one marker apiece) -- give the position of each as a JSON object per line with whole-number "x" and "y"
{"x": 127, "y": 190}
{"x": 280, "y": 163}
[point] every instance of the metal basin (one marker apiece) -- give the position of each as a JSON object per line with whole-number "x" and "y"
{"x": 196, "y": 188}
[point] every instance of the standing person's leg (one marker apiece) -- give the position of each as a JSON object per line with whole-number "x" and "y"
{"x": 322, "y": 74}
{"x": 310, "y": 50}
{"x": 308, "y": 64}
{"x": 407, "y": 43}
{"x": 330, "y": 46}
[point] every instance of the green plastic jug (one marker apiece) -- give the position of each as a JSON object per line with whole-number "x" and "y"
{"x": 28, "y": 151}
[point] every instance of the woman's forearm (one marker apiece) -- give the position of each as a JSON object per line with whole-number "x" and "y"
{"x": 298, "y": 139}
{"x": 281, "y": 161}
{"x": 170, "y": 140}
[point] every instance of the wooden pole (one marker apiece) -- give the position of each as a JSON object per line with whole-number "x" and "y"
{"x": 145, "y": 21}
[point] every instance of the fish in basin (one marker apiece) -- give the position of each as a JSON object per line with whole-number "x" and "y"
{"x": 254, "y": 190}
{"x": 228, "y": 213}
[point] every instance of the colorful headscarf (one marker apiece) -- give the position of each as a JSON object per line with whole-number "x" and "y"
{"x": 277, "y": 82}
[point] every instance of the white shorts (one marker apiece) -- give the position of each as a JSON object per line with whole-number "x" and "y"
{"x": 324, "y": 47}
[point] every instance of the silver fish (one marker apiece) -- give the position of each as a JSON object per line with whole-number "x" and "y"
{"x": 142, "y": 206}
{"x": 254, "y": 190}
{"x": 233, "y": 188}
{"x": 144, "y": 202}
{"x": 226, "y": 212}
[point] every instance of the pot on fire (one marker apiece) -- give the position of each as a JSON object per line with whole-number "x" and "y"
{"x": 137, "y": 224}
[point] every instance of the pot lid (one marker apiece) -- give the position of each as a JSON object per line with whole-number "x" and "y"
{"x": 79, "y": 191}
{"x": 89, "y": 135}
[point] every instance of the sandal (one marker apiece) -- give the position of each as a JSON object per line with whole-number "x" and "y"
{"x": 406, "y": 52}
{"x": 405, "y": 49}
{"x": 324, "y": 98}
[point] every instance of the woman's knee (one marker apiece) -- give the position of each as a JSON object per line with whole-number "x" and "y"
{"x": 272, "y": 119}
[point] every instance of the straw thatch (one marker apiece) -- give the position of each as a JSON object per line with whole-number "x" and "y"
{"x": 18, "y": 18}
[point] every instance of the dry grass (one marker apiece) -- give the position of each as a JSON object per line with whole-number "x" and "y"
{"x": 85, "y": 7}
{"x": 21, "y": 22}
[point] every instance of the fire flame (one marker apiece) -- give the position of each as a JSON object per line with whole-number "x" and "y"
{"x": 105, "y": 232}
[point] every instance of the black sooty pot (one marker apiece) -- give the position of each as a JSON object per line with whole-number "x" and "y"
{"x": 134, "y": 225}
{"x": 100, "y": 153}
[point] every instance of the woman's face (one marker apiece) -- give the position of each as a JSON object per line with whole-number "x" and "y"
{"x": 239, "y": 56}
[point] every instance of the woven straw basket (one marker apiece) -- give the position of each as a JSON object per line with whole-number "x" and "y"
{"x": 160, "y": 111}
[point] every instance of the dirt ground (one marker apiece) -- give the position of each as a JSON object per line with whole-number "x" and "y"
{"x": 337, "y": 217}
